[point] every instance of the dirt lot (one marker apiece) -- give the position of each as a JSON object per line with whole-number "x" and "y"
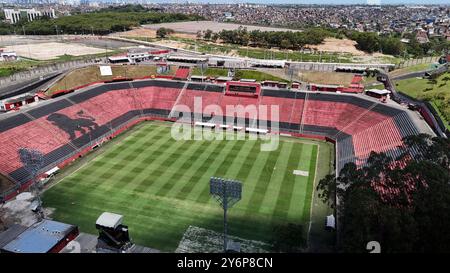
{"x": 8, "y": 40}
{"x": 194, "y": 26}
{"x": 52, "y": 50}
{"x": 99, "y": 42}
{"x": 326, "y": 77}
{"x": 92, "y": 74}
{"x": 151, "y": 33}
{"x": 338, "y": 45}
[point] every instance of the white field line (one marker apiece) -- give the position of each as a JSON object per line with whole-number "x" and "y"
{"x": 313, "y": 199}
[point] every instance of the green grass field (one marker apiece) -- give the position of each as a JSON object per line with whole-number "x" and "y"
{"x": 437, "y": 93}
{"x": 161, "y": 185}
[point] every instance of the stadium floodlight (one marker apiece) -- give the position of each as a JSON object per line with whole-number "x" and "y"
{"x": 227, "y": 192}
{"x": 32, "y": 162}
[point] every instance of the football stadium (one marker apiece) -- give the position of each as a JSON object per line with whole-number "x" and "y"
{"x": 115, "y": 149}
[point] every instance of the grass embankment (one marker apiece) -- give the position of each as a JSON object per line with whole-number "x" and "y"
{"x": 437, "y": 92}
{"x": 91, "y": 74}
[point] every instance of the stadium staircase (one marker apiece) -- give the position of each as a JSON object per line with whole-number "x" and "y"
{"x": 182, "y": 73}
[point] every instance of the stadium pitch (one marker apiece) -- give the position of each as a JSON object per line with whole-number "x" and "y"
{"x": 161, "y": 186}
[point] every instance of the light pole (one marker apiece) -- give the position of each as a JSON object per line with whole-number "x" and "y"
{"x": 32, "y": 162}
{"x": 227, "y": 192}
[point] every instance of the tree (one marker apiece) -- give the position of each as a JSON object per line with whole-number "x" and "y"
{"x": 367, "y": 41}
{"x": 199, "y": 35}
{"x": 412, "y": 211}
{"x": 208, "y": 34}
{"x": 288, "y": 238}
{"x": 392, "y": 46}
{"x": 285, "y": 43}
{"x": 215, "y": 36}
{"x": 163, "y": 32}
{"x": 101, "y": 22}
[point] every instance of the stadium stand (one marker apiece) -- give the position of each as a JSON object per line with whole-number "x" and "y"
{"x": 69, "y": 126}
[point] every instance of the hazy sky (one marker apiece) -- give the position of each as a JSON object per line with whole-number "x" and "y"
{"x": 386, "y": 2}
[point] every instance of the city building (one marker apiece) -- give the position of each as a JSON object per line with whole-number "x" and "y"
{"x": 13, "y": 16}
{"x": 7, "y": 55}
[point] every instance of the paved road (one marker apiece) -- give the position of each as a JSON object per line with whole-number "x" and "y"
{"x": 410, "y": 75}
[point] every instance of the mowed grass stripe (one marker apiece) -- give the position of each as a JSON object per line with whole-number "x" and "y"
{"x": 240, "y": 159}
{"x": 155, "y": 164}
{"x": 310, "y": 187}
{"x": 160, "y": 218}
{"x": 104, "y": 175}
{"x": 104, "y": 172}
{"x": 194, "y": 189}
{"x": 202, "y": 196}
{"x": 282, "y": 205}
{"x": 190, "y": 174}
{"x": 276, "y": 179}
{"x": 263, "y": 180}
{"x": 180, "y": 167}
{"x": 133, "y": 147}
{"x": 251, "y": 182}
{"x": 127, "y": 178}
{"x": 158, "y": 213}
{"x": 298, "y": 201}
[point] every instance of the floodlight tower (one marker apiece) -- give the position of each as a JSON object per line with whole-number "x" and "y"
{"x": 227, "y": 192}
{"x": 33, "y": 161}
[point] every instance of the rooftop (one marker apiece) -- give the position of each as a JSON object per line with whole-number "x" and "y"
{"x": 39, "y": 238}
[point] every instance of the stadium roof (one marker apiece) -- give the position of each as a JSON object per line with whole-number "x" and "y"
{"x": 379, "y": 92}
{"x": 118, "y": 58}
{"x": 11, "y": 233}
{"x": 222, "y": 78}
{"x": 39, "y": 238}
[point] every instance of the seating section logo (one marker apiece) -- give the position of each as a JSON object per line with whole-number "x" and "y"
{"x": 82, "y": 124}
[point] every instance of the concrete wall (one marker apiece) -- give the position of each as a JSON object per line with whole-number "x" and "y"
{"x": 42, "y": 71}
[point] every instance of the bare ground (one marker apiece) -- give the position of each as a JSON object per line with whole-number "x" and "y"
{"x": 52, "y": 50}
{"x": 151, "y": 33}
{"x": 18, "y": 211}
{"x": 91, "y": 74}
{"x": 326, "y": 77}
{"x": 338, "y": 45}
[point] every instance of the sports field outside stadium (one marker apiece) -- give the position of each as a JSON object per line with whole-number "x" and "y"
{"x": 161, "y": 185}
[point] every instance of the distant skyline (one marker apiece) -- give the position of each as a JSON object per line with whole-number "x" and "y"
{"x": 312, "y": 2}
